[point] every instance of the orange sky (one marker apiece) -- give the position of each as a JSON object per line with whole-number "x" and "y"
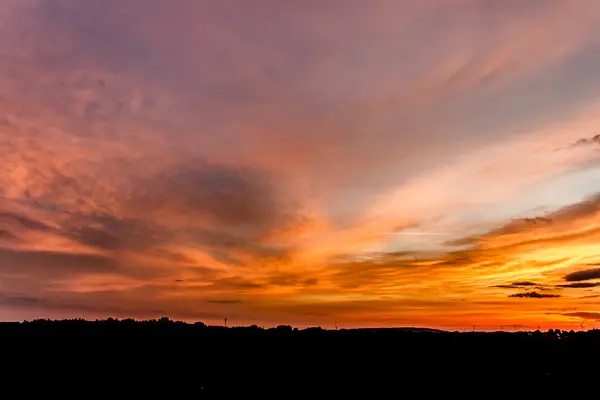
{"x": 384, "y": 163}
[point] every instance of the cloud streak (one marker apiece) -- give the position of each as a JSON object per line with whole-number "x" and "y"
{"x": 534, "y": 295}
{"x": 585, "y": 275}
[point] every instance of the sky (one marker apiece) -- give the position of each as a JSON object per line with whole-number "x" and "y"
{"x": 386, "y": 163}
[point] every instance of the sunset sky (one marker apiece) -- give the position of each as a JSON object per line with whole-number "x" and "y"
{"x": 376, "y": 163}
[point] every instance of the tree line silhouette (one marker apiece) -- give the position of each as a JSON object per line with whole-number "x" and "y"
{"x": 181, "y": 360}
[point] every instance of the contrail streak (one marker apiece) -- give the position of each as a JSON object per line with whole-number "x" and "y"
{"x": 415, "y": 233}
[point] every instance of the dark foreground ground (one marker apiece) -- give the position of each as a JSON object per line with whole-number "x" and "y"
{"x": 162, "y": 359}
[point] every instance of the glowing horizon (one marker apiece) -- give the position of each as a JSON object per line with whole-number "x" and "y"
{"x": 377, "y": 164}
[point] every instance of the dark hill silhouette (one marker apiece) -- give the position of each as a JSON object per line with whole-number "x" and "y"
{"x": 180, "y": 360}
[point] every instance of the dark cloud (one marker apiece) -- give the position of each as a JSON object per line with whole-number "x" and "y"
{"x": 534, "y": 295}
{"x": 584, "y": 275}
{"x": 23, "y": 222}
{"x": 225, "y": 301}
{"x": 594, "y": 140}
{"x": 580, "y": 285}
{"x": 291, "y": 280}
{"x": 224, "y": 195}
{"x": 231, "y": 210}
{"x": 44, "y": 264}
{"x": 537, "y": 220}
{"x": 13, "y": 299}
{"x": 94, "y": 237}
{"x": 524, "y": 283}
{"x": 547, "y": 288}
{"x": 311, "y": 282}
{"x": 584, "y": 315}
{"x": 237, "y": 283}
{"x": 505, "y": 286}
{"x": 516, "y": 285}
{"x": 109, "y": 233}
{"x": 235, "y": 208}
{"x": 34, "y": 267}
